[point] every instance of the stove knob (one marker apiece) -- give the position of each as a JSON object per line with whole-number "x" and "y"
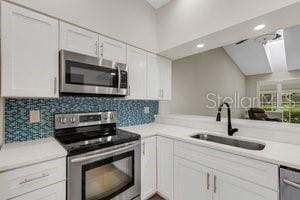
{"x": 112, "y": 117}
{"x": 105, "y": 117}
{"x": 73, "y": 120}
{"x": 63, "y": 120}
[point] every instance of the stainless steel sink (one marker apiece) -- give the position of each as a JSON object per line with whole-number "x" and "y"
{"x": 230, "y": 141}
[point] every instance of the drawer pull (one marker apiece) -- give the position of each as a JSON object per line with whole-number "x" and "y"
{"x": 215, "y": 184}
{"x": 207, "y": 181}
{"x": 34, "y": 179}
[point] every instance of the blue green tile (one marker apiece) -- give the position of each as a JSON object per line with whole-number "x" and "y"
{"x": 18, "y": 128}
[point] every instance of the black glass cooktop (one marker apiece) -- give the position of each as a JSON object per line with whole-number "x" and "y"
{"x": 84, "y": 139}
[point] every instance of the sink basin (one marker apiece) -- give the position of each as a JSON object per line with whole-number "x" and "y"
{"x": 230, "y": 141}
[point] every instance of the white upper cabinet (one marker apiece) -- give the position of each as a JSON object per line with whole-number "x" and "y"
{"x": 153, "y": 77}
{"x": 165, "y": 68}
{"x": 29, "y": 52}
{"x": 148, "y": 168}
{"x": 112, "y": 50}
{"x": 75, "y": 39}
{"x": 137, "y": 66}
{"x": 159, "y": 78}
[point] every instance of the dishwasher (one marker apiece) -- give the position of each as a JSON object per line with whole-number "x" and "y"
{"x": 289, "y": 184}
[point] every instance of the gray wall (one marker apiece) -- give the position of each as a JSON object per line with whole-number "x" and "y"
{"x": 196, "y": 76}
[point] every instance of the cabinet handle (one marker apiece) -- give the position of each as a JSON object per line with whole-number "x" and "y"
{"x": 34, "y": 179}
{"x": 102, "y": 49}
{"x": 207, "y": 181}
{"x": 143, "y": 148}
{"x": 55, "y": 85}
{"x": 162, "y": 93}
{"x": 96, "y": 45}
{"x": 128, "y": 92}
{"x": 215, "y": 184}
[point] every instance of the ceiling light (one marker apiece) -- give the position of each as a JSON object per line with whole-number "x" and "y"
{"x": 259, "y": 27}
{"x": 200, "y": 45}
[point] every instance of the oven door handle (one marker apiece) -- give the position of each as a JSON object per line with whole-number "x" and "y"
{"x": 76, "y": 160}
{"x": 291, "y": 183}
{"x": 119, "y": 77}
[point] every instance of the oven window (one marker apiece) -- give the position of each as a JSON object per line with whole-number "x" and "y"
{"x": 108, "y": 178}
{"x": 85, "y": 74}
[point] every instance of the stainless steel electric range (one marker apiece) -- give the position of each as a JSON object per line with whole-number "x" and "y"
{"x": 103, "y": 162}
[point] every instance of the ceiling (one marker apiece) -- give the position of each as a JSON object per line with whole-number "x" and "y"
{"x": 158, "y": 3}
{"x": 281, "y": 18}
{"x": 273, "y": 52}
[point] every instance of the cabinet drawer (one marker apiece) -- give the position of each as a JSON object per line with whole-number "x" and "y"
{"x": 52, "y": 192}
{"x": 23, "y": 180}
{"x": 258, "y": 172}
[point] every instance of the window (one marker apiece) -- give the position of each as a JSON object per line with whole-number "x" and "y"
{"x": 281, "y": 99}
{"x": 268, "y": 101}
{"x": 291, "y": 107}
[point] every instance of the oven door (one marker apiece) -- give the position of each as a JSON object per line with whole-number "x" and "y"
{"x": 112, "y": 173}
{"x": 83, "y": 74}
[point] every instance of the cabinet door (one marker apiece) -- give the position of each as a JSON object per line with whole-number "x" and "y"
{"x": 52, "y": 192}
{"x": 113, "y": 50}
{"x": 153, "y": 77}
{"x": 191, "y": 180}
{"x": 29, "y": 52}
{"x": 148, "y": 178}
{"x": 227, "y": 187}
{"x": 165, "y": 67}
{"x": 75, "y": 39}
{"x": 165, "y": 167}
{"x": 137, "y": 67}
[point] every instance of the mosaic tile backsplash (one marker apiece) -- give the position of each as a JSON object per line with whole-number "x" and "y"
{"x": 18, "y": 128}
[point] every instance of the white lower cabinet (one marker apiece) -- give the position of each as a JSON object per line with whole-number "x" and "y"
{"x": 165, "y": 167}
{"x": 191, "y": 180}
{"x": 194, "y": 181}
{"x": 191, "y": 172}
{"x": 148, "y": 168}
{"x": 43, "y": 181}
{"x": 53, "y": 192}
{"x": 227, "y": 187}
{"x": 207, "y": 174}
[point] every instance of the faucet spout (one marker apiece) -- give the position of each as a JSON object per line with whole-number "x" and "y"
{"x": 230, "y": 130}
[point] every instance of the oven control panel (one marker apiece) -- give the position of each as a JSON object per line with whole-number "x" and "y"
{"x": 84, "y": 119}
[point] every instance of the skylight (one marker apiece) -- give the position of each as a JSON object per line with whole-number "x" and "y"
{"x": 275, "y": 51}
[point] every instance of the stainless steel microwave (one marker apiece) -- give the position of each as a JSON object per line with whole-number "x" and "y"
{"x": 87, "y": 75}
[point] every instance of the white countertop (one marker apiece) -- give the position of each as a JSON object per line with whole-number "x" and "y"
{"x": 21, "y": 154}
{"x": 275, "y": 152}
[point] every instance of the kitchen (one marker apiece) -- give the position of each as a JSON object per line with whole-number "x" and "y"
{"x": 109, "y": 100}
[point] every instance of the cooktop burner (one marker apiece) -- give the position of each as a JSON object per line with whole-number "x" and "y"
{"x": 80, "y": 133}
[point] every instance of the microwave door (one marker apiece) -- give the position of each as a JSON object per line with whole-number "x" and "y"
{"x": 89, "y": 78}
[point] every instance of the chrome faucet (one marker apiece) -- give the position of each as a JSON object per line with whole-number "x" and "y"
{"x": 231, "y": 130}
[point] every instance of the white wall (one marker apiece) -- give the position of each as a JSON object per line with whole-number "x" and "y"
{"x": 196, "y": 76}
{"x": 131, "y": 21}
{"x": 182, "y": 21}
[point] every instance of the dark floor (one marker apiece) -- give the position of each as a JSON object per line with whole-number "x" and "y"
{"x": 156, "y": 197}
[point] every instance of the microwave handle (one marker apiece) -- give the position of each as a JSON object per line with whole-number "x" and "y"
{"x": 119, "y": 77}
